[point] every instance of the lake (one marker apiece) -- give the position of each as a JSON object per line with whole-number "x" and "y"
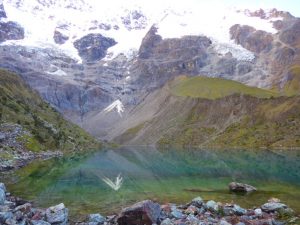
{"x": 165, "y": 176}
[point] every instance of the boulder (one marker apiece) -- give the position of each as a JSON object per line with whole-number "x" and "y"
{"x": 2, "y": 186}
{"x": 57, "y": 215}
{"x": 26, "y": 208}
{"x": 240, "y": 187}
{"x": 273, "y": 206}
{"x": 145, "y": 212}
{"x": 239, "y": 210}
{"x": 198, "y": 202}
{"x": 177, "y": 214}
{"x": 39, "y": 222}
{"x": 167, "y": 222}
{"x": 230, "y": 210}
{"x": 96, "y": 218}
{"x": 2, "y": 196}
{"x": 258, "y": 212}
{"x": 5, "y": 216}
{"x": 212, "y": 205}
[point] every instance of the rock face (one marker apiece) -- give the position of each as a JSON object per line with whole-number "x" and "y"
{"x": 10, "y": 31}
{"x": 291, "y": 35}
{"x": 159, "y": 60}
{"x": 2, "y": 11}
{"x": 251, "y": 39}
{"x": 93, "y": 47}
{"x": 57, "y": 214}
{"x": 239, "y": 187}
{"x": 141, "y": 213}
{"x": 59, "y": 38}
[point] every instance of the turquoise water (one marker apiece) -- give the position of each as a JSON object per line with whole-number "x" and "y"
{"x": 165, "y": 176}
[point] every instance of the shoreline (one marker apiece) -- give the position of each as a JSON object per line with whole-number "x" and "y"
{"x": 14, "y": 210}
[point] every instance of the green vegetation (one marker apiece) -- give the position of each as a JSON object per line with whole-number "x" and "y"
{"x": 130, "y": 133}
{"x": 292, "y": 86}
{"x": 213, "y": 88}
{"x": 235, "y": 116}
{"x": 47, "y": 128}
{"x": 235, "y": 122}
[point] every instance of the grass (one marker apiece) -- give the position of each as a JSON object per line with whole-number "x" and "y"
{"x": 213, "y": 88}
{"x": 235, "y": 122}
{"x": 130, "y": 133}
{"x": 292, "y": 86}
{"x": 48, "y": 129}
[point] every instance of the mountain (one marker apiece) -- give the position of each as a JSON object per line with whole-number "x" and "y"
{"x": 30, "y": 125}
{"x": 103, "y": 65}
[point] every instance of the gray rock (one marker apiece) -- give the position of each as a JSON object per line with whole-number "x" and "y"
{"x": 240, "y": 187}
{"x": 212, "y": 205}
{"x": 273, "y": 206}
{"x": 167, "y": 222}
{"x": 57, "y": 215}
{"x": 2, "y": 186}
{"x": 192, "y": 220}
{"x": 11, "y": 221}
{"x": 25, "y": 208}
{"x": 2, "y": 197}
{"x": 39, "y": 222}
{"x": 145, "y": 212}
{"x": 96, "y": 218}
{"x": 177, "y": 214}
{"x": 5, "y": 216}
{"x": 19, "y": 215}
{"x": 258, "y": 212}
{"x": 239, "y": 210}
{"x": 224, "y": 222}
{"x": 198, "y": 202}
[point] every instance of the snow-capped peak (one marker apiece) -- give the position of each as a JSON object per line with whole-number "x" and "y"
{"x": 128, "y": 21}
{"x": 117, "y": 105}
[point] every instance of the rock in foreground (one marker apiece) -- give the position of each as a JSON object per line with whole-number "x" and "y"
{"x": 14, "y": 211}
{"x": 145, "y": 212}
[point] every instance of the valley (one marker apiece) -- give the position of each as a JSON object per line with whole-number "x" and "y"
{"x": 134, "y": 113}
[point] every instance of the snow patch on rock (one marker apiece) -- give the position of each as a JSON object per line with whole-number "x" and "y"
{"x": 117, "y": 105}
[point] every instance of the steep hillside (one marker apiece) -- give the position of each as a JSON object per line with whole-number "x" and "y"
{"x": 213, "y": 88}
{"x": 34, "y": 124}
{"x": 240, "y": 116}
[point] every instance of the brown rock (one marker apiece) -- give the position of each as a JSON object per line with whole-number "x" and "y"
{"x": 141, "y": 213}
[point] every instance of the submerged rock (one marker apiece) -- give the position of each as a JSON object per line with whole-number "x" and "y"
{"x": 240, "y": 187}
{"x": 57, "y": 215}
{"x": 141, "y": 213}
